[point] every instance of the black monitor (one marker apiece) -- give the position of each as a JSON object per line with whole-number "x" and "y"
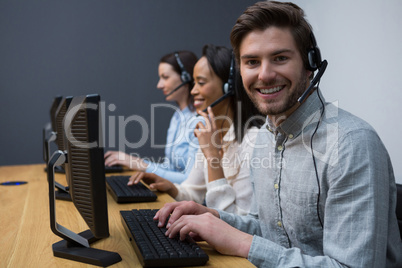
{"x": 57, "y": 117}
{"x": 85, "y": 174}
{"x": 57, "y": 111}
{"x": 49, "y": 128}
{"x": 60, "y": 112}
{"x": 53, "y": 108}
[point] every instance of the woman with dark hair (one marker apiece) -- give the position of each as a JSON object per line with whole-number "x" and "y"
{"x": 175, "y": 80}
{"x": 220, "y": 175}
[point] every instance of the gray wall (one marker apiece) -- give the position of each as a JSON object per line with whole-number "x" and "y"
{"x": 361, "y": 39}
{"x": 112, "y": 48}
{"x": 76, "y": 47}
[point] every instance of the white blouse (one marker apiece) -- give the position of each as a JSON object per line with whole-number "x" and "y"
{"x": 232, "y": 193}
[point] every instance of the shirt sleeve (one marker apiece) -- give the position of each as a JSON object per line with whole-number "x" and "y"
{"x": 160, "y": 170}
{"x": 248, "y": 223}
{"x": 165, "y": 170}
{"x": 357, "y": 212}
{"x": 194, "y": 188}
{"x": 171, "y": 175}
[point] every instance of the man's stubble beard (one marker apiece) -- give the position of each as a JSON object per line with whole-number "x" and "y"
{"x": 290, "y": 102}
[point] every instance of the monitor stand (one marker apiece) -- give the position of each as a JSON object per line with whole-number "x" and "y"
{"x": 77, "y": 252}
{"x": 62, "y": 192}
{"x": 73, "y": 246}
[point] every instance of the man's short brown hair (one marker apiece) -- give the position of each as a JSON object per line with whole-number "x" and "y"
{"x": 265, "y": 14}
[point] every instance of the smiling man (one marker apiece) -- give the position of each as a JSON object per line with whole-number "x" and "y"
{"x": 273, "y": 71}
{"x": 329, "y": 198}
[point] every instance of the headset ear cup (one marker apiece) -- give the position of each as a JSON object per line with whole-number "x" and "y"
{"x": 228, "y": 87}
{"x": 185, "y": 77}
{"x": 225, "y": 88}
{"x": 312, "y": 60}
{"x": 314, "y": 55}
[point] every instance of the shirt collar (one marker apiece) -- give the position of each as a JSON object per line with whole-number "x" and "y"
{"x": 307, "y": 113}
{"x": 186, "y": 112}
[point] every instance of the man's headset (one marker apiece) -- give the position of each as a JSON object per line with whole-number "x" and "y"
{"x": 228, "y": 87}
{"x": 184, "y": 75}
{"x": 314, "y": 63}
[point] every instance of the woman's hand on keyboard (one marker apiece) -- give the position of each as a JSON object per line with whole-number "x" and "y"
{"x": 113, "y": 158}
{"x": 155, "y": 182}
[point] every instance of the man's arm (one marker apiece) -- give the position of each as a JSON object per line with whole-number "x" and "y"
{"x": 355, "y": 222}
{"x": 357, "y": 208}
{"x": 202, "y": 223}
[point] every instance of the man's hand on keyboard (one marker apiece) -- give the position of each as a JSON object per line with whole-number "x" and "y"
{"x": 177, "y": 209}
{"x": 217, "y": 233}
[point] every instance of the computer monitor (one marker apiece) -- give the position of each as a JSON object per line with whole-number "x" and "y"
{"x": 57, "y": 111}
{"x": 56, "y": 102}
{"x": 85, "y": 174}
{"x": 60, "y": 112}
{"x": 47, "y": 135}
{"x": 57, "y": 117}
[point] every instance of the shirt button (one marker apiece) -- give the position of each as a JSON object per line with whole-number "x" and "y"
{"x": 279, "y": 223}
{"x": 276, "y": 186}
{"x": 290, "y": 136}
{"x": 280, "y": 147}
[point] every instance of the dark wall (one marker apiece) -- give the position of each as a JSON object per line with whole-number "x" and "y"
{"x": 78, "y": 47}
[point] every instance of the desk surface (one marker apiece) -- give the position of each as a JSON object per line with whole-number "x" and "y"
{"x": 26, "y": 239}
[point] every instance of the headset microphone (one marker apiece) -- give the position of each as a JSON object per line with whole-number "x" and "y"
{"x": 230, "y": 93}
{"x": 315, "y": 80}
{"x": 177, "y": 88}
{"x": 314, "y": 63}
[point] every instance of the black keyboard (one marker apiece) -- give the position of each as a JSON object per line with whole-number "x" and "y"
{"x": 108, "y": 169}
{"x": 153, "y": 248}
{"x": 122, "y": 193}
{"x": 114, "y": 169}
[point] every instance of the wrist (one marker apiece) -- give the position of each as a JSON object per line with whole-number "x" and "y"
{"x": 214, "y": 161}
{"x": 139, "y": 165}
{"x": 173, "y": 192}
{"x": 245, "y": 245}
{"x": 212, "y": 152}
{"x": 214, "y": 212}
